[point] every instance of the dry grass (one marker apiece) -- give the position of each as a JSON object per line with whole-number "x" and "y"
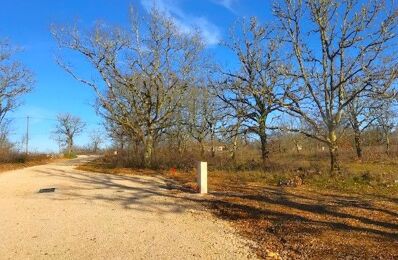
{"x": 353, "y": 216}
{"x": 23, "y": 162}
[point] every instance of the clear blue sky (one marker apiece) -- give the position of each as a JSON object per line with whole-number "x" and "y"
{"x": 26, "y": 23}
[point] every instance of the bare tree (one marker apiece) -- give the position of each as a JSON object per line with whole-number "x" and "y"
{"x": 361, "y": 114}
{"x": 231, "y": 127}
{"x": 295, "y": 138}
{"x": 385, "y": 119}
{"x": 201, "y": 116}
{"x": 255, "y": 88}
{"x": 96, "y": 139}
{"x": 5, "y": 144}
{"x": 143, "y": 72}
{"x": 340, "y": 50}
{"x": 178, "y": 134}
{"x": 213, "y": 116}
{"x": 117, "y": 134}
{"x": 15, "y": 81}
{"x": 66, "y": 129}
{"x": 234, "y": 133}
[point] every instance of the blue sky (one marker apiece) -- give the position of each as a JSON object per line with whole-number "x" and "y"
{"x": 26, "y": 23}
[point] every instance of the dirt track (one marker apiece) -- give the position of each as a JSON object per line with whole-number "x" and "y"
{"x": 100, "y": 216}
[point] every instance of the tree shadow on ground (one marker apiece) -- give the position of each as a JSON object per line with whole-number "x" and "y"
{"x": 297, "y": 224}
{"x": 293, "y": 222}
{"x": 303, "y": 224}
{"x": 144, "y": 194}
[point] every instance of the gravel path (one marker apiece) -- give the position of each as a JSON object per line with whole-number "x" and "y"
{"x": 100, "y": 216}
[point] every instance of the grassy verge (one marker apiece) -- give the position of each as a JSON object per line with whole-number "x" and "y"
{"x": 26, "y": 162}
{"x": 352, "y": 216}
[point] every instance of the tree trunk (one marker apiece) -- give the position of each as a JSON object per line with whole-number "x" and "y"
{"x": 180, "y": 145}
{"x": 137, "y": 146}
{"x": 334, "y": 159}
{"x": 121, "y": 145}
{"x": 70, "y": 145}
{"x": 264, "y": 148}
{"x": 387, "y": 143}
{"x": 297, "y": 146}
{"x": 234, "y": 148}
{"x": 202, "y": 149}
{"x": 264, "y": 142}
{"x": 235, "y": 142}
{"x": 148, "y": 152}
{"x": 358, "y": 144}
{"x": 333, "y": 150}
{"x": 213, "y": 149}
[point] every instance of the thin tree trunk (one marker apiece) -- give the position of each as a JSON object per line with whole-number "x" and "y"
{"x": 387, "y": 144}
{"x": 213, "y": 150}
{"x": 235, "y": 142}
{"x": 121, "y": 145}
{"x": 334, "y": 159}
{"x": 202, "y": 149}
{"x": 180, "y": 146}
{"x": 297, "y": 146}
{"x": 234, "y": 148}
{"x": 264, "y": 142}
{"x": 358, "y": 144}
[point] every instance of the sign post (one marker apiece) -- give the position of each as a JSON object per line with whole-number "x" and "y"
{"x": 202, "y": 177}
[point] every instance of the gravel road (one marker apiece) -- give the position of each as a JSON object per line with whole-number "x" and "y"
{"x": 101, "y": 216}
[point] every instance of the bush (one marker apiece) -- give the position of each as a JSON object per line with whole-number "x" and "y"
{"x": 71, "y": 155}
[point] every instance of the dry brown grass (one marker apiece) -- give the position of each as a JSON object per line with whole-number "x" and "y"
{"x": 340, "y": 220}
{"x": 23, "y": 162}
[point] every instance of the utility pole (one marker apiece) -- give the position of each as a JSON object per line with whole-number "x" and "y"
{"x": 27, "y": 136}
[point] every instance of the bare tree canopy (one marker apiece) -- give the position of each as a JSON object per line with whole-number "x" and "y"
{"x": 385, "y": 120}
{"x": 340, "y": 50}
{"x": 66, "y": 129}
{"x": 96, "y": 139}
{"x": 144, "y": 72}
{"x": 360, "y": 114}
{"x": 254, "y": 90}
{"x": 202, "y": 116}
{"x": 15, "y": 80}
{"x": 323, "y": 66}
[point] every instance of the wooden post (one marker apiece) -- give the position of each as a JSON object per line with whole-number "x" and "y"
{"x": 202, "y": 177}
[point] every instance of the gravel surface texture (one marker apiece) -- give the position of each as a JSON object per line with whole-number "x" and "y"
{"x": 101, "y": 216}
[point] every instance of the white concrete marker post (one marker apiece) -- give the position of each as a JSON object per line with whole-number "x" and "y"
{"x": 202, "y": 177}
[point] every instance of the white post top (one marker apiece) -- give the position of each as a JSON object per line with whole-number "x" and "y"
{"x": 202, "y": 177}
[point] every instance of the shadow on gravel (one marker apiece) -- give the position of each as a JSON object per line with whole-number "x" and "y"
{"x": 146, "y": 194}
{"x": 299, "y": 225}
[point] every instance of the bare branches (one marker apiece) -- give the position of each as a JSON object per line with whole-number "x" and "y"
{"x": 345, "y": 51}
{"x": 321, "y": 63}
{"x": 67, "y": 128}
{"x": 15, "y": 80}
{"x": 256, "y": 89}
{"x": 142, "y": 73}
